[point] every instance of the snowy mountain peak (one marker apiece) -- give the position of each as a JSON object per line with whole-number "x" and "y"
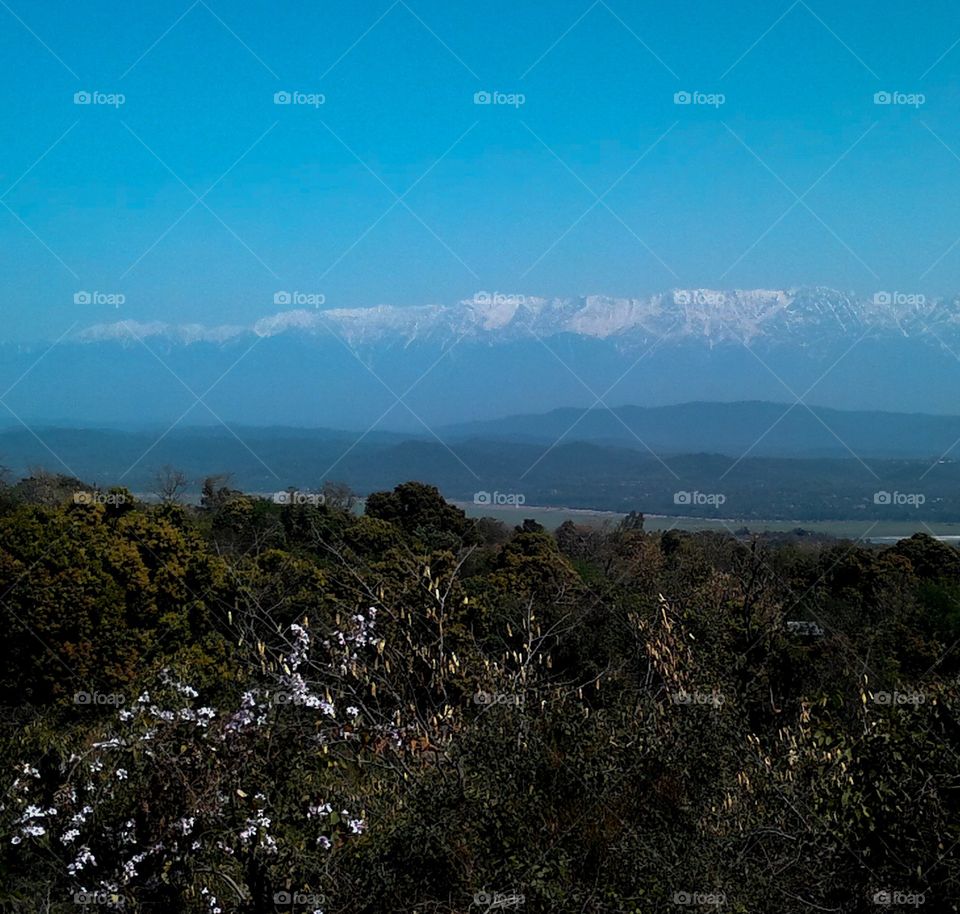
{"x": 713, "y": 317}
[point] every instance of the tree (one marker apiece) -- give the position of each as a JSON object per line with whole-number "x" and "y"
{"x": 321, "y": 704}
{"x": 215, "y": 491}
{"x": 42, "y": 487}
{"x": 422, "y": 512}
{"x": 338, "y": 496}
{"x": 632, "y": 522}
{"x": 170, "y": 484}
{"x": 930, "y": 557}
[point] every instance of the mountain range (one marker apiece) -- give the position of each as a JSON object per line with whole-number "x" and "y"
{"x": 746, "y": 460}
{"x": 731, "y": 429}
{"x": 412, "y": 368}
{"x": 715, "y": 317}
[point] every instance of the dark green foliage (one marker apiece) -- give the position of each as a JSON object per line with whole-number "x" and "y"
{"x": 601, "y": 720}
{"x": 421, "y": 512}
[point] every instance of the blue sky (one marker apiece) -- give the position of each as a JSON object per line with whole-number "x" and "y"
{"x": 493, "y": 197}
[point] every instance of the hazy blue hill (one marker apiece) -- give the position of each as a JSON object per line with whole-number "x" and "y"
{"x": 315, "y": 380}
{"x": 524, "y": 457}
{"x": 732, "y": 428}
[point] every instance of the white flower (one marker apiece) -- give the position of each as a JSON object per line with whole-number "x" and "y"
{"x": 84, "y": 858}
{"x": 81, "y": 816}
{"x": 181, "y": 687}
{"x": 130, "y": 867}
{"x": 121, "y": 774}
{"x": 259, "y": 822}
{"x": 301, "y": 648}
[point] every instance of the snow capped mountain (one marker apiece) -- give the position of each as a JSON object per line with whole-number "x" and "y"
{"x": 185, "y": 334}
{"x": 496, "y": 353}
{"x": 802, "y": 317}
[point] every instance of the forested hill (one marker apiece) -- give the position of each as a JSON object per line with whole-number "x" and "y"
{"x": 252, "y": 707}
{"x": 614, "y": 475}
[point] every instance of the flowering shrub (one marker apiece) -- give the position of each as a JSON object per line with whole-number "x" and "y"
{"x": 291, "y": 709}
{"x": 178, "y": 799}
